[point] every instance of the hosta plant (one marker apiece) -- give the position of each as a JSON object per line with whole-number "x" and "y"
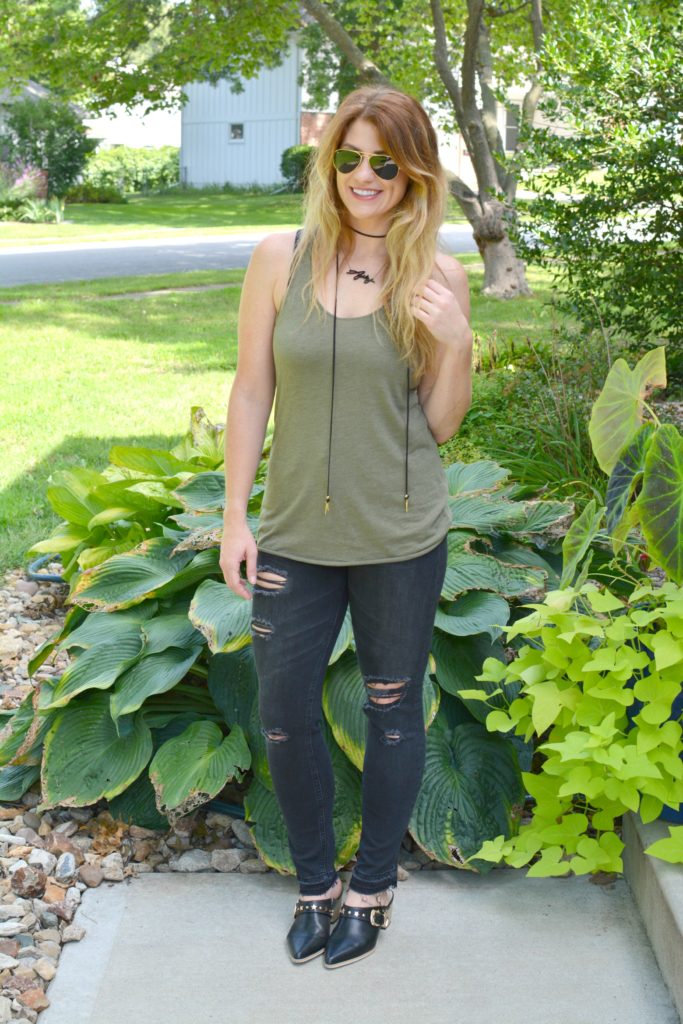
{"x": 157, "y": 710}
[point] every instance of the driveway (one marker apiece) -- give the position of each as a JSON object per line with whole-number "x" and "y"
{"x": 84, "y": 261}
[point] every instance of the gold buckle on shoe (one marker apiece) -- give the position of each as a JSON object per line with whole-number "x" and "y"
{"x": 384, "y": 922}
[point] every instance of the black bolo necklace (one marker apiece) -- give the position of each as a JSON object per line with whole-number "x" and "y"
{"x": 328, "y": 499}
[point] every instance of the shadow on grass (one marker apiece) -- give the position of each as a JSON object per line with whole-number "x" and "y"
{"x": 26, "y": 515}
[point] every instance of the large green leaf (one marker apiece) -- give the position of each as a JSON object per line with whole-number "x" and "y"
{"x": 15, "y": 779}
{"x": 64, "y": 538}
{"x": 478, "y": 611}
{"x": 108, "y": 627}
{"x": 617, "y": 413}
{"x": 85, "y": 758}
{"x": 97, "y": 667}
{"x": 24, "y": 732}
{"x": 470, "y": 782}
{"x": 660, "y": 502}
{"x": 578, "y": 539}
{"x": 150, "y": 461}
{"x": 483, "y": 475}
{"x": 467, "y": 569}
{"x": 269, "y": 830}
{"x": 190, "y": 769}
{"x": 153, "y": 673}
{"x": 344, "y": 695}
{"x": 539, "y": 516}
{"x": 204, "y": 492}
{"x": 459, "y": 660}
{"x": 170, "y": 630}
{"x": 70, "y": 494}
{"x": 627, "y": 473}
{"x": 233, "y": 685}
{"x": 124, "y": 580}
{"x": 221, "y": 616}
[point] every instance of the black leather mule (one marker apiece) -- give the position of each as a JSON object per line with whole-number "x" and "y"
{"x": 356, "y": 933}
{"x": 310, "y": 929}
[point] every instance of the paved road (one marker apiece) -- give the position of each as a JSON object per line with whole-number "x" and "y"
{"x": 81, "y": 261}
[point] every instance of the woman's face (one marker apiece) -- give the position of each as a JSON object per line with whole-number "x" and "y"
{"x": 368, "y": 198}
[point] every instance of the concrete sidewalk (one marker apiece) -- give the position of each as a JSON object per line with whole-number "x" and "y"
{"x": 168, "y": 948}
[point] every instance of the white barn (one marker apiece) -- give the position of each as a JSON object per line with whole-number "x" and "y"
{"x": 240, "y": 137}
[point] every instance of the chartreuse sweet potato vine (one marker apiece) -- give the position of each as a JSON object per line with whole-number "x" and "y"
{"x": 589, "y": 656}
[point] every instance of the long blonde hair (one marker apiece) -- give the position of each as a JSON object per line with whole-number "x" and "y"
{"x": 411, "y": 241}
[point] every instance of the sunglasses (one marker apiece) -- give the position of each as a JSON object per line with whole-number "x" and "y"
{"x": 346, "y": 160}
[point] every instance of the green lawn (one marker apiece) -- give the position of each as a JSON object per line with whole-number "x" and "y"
{"x": 161, "y": 216}
{"x": 87, "y": 371}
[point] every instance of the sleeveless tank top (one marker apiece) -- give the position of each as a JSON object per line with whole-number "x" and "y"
{"x": 371, "y": 428}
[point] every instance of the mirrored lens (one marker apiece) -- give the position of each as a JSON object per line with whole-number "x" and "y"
{"x": 346, "y": 160}
{"x": 384, "y": 166}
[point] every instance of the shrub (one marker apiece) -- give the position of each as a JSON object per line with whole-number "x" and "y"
{"x": 86, "y": 192}
{"x": 128, "y": 169}
{"x": 294, "y": 165}
{"x": 46, "y": 134}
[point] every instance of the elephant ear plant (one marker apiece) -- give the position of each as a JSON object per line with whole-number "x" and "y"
{"x": 157, "y": 710}
{"x": 590, "y": 655}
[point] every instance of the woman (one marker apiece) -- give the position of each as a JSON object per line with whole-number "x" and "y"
{"x": 367, "y": 328}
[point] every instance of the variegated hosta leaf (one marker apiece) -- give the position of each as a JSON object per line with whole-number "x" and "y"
{"x": 478, "y": 611}
{"x": 486, "y": 513}
{"x": 124, "y": 580}
{"x": 207, "y": 437}
{"x": 107, "y": 627}
{"x": 269, "y": 831}
{"x": 467, "y": 569}
{"x": 137, "y": 805}
{"x": 151, "y": 461}
{"x": 483, "y": 475}
{"x": 233, "y": 685}
{"x": 85, "y": 758}
{"x": 222, "y": 616}
{"x": 70, "y": 494}
{"x": 470, "y": 782}
{"x": 153, "y": 673}
{"x": 578, "y": 539}
{"x": 628, "y": 471}
{"x": 170, "y": 630}
{"x": 344, "y": 695}
{"x": 510, "y": 553}
{"x": 74, "y": 616}
{"x": 204, "y": 563}
{"x": 96, "y": 668}
{"x": 205, "y": 492}
{"x": 143, "y": 496}
{"x": 198, "y": 520}
{"x": 15, "y": 779}
{"x": 345, "y": 638}
{"x": 459, "y": 660}
{"x": 618, "y": 411}
{"x": 190, "y": 769}
{"x": 541, "y": 515}
{"x": 660, "y": 502}
{"x": 24, "y": 732}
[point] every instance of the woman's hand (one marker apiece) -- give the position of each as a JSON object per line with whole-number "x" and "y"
{"x": 439, "y": 310}
{"x": 237, "y": 544}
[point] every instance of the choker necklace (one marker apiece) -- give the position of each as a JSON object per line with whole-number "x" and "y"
{"x": 366, "y": 234}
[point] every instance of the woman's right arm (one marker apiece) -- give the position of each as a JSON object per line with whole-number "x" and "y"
{"x": 251, "y": 400}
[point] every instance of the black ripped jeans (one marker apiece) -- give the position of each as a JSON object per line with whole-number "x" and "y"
{"x": 298, "y": 609}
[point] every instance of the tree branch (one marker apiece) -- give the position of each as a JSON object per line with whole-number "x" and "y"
{"x": 367, "y": 69}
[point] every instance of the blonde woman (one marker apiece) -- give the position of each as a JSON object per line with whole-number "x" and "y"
{"x": 365, "y": 328}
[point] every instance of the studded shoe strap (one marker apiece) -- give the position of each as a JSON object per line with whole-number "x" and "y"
{"x": 320, "y": 906}
{"x": 376, "y": 916}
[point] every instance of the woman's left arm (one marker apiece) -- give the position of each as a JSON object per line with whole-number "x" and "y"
{"x": 445, "y": 392}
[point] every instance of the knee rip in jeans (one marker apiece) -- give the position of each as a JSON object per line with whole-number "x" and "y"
{"x": 276, "y": 735}
{"x": 259, "y": 627}
{"x": 385, "y": 694}
{"x": 269, "y": 580}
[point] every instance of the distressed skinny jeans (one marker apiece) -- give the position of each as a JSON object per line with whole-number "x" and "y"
{"x": 297, "y": 612}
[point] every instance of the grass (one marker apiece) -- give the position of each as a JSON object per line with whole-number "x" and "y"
{"x": 89, "y": 370}
{"x": 161, "y": 216}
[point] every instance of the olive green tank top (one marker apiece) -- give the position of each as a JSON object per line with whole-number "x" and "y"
{"x": 357, "y": 419}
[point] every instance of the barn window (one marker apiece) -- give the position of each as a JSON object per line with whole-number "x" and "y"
{"x": 236, "y": 132}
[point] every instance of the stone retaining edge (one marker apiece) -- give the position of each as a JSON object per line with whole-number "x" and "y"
{"x": 657, "y": 888}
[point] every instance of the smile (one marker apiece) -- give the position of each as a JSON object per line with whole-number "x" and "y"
{"x": 366, "y": 193}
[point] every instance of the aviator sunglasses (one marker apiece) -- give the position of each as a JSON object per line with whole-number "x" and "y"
{"x": 346, "y": 160}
